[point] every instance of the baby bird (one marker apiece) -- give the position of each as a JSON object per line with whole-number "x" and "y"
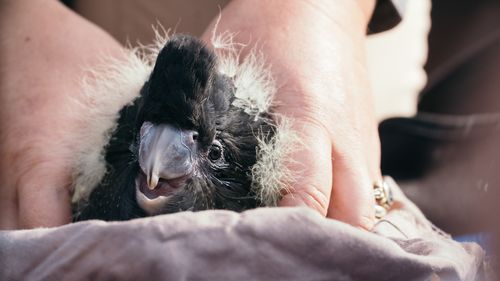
{"x": 199, "y": 135}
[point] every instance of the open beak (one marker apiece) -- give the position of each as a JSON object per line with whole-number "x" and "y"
{"x": 165, "y": 152}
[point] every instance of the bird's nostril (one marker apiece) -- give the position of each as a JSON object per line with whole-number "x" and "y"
{"x": 190, "y": 139}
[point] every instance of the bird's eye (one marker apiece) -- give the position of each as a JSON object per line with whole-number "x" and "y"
{"x": 215, "y": 152}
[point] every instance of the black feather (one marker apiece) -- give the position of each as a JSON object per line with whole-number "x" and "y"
{"x": 184, "y": 90}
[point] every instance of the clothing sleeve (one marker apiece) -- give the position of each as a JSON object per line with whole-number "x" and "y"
{"x": 387, "y": 14}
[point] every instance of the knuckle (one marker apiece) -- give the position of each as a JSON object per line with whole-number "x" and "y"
{"x": 315, "y": 199}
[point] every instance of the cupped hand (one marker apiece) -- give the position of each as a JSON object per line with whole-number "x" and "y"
{"x": 44, "y": 50}
{"x": 316, "y": 53}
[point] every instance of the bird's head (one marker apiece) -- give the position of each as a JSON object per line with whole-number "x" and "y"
{"x": 195, "y": 149}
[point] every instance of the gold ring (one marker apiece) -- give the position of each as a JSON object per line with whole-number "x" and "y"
{"x": 383, "y": 198}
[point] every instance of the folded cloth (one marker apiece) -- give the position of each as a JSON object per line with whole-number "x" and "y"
{"x": 260, "y": 244}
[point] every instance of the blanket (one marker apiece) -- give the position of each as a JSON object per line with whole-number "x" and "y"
{"x": 260, "y": 244}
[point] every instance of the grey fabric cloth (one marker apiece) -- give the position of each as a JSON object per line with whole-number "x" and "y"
{"x": 261, "y": 244}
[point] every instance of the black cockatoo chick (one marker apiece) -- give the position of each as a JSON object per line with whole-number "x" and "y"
{"x": 198, "y": 134}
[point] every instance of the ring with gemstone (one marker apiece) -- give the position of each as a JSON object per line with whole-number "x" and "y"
{"x": 383, "y": 198}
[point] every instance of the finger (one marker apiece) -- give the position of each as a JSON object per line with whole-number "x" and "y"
{"x": 311, "y": 166}
{"x": 352, "y": 196}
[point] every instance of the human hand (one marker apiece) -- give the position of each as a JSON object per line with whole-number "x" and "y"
{"x": 44, "y": 51}
{"x": 316, "y": 52}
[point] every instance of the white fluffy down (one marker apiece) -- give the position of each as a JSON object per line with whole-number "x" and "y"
{"x": 117, "y": 83}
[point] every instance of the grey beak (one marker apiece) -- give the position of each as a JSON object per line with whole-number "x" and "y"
{"x": 165, "y": 152}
